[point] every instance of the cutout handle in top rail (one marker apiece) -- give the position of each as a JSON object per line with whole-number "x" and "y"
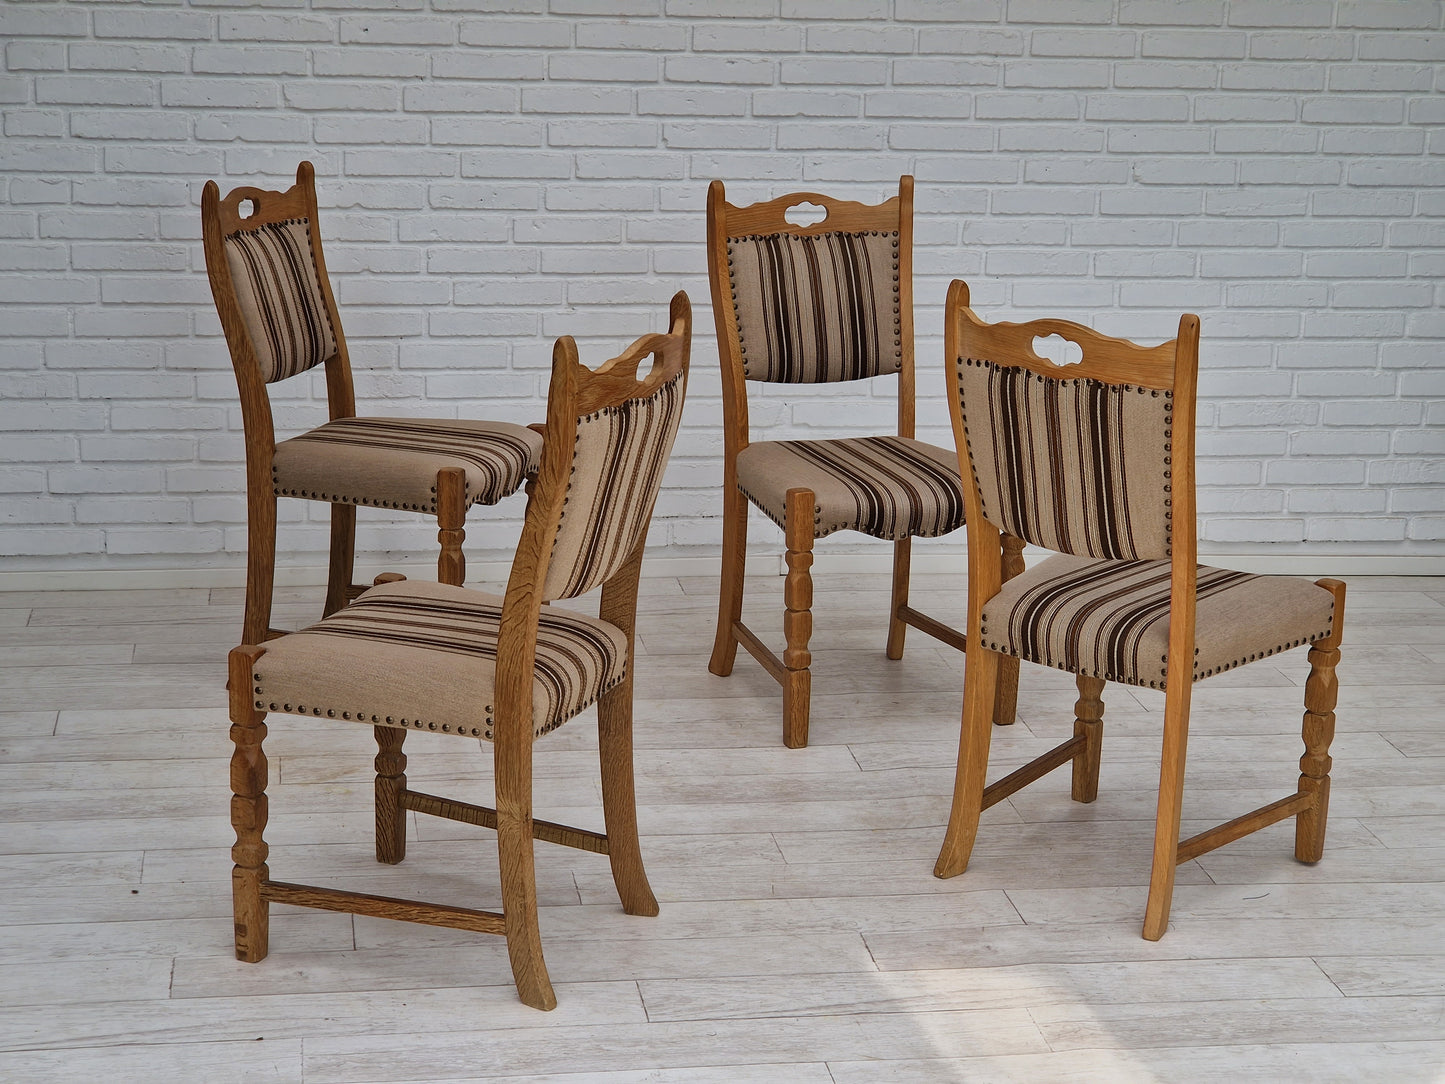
{"x": 1057, "y": 350}
{"x": 805, "y": 214}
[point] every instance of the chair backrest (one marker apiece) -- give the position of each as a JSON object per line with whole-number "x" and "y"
{"x": 1093, "y": 458}
{"x": 608, "y": 436}
{"x": 823, "y": 302}
{"x": 268, "y": 278}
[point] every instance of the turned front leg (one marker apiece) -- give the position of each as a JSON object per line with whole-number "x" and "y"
{"x": 1318, "y": 730}
{"x": 798, "y": 617}
{"x": 248, "y": 811}
{"x": 390, "y": 785}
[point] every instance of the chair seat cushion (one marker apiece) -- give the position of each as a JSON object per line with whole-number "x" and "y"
{"x": 423, "y": 656}
{"x": 393, "y": 462}
{"x": 1110, "y": 619}
{"x": 887, "y": 487}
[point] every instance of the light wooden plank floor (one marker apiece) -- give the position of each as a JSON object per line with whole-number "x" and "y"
{"x": 802, "y": 937}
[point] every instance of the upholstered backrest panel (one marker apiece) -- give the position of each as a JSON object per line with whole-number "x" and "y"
{"x": 816, "y": 308}
{"x": 280, "y": 296}
{"x": 1076, "y": 466}
{"x": 617, "y": 466}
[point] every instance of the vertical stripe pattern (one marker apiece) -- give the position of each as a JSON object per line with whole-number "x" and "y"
{"x": 617, "y": 463}
{"x": 818, "y": 308}
{"x": 1073, "y": 465}
{"x": 279, "y": 291}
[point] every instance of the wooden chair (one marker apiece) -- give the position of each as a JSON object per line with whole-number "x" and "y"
{"x": 1095, "y": 461}
{"x": 410, "y": 655}
{"x": 822, "y": 303}
{"x": 268, "y": 278}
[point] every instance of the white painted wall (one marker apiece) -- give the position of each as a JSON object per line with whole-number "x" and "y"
{"x": 494, "y": 174}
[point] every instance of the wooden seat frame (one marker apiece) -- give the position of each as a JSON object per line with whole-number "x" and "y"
{"x": 792, "y": 669}
{"x": 220, "y": 217}
{"x": 1172, "y": 365}
{"x": 575, "y": 391}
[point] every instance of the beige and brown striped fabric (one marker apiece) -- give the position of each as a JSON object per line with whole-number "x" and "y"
{"x": 617, "y": 464}
{"x": 1110, "y": 619}
{"x": 818, "y": 308}
{"x": 393, "y": 462}
{"x": 279, "y": 292}
{"x": 887, "y": 487}
{"x": 422, "y": 656}
{"x": 1112, "y": 501}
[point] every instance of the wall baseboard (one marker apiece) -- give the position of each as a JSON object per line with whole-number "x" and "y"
{"x": 702, "y": 565}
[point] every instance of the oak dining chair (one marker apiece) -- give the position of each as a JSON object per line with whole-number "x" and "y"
{"x": 1094, "y": 462}
{"x": 822, "y": 303}
{"x": 268, "y": 278}
{"x": 441, "y": 659}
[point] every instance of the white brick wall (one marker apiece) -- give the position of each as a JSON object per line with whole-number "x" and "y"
{"x": 494, "y": 173}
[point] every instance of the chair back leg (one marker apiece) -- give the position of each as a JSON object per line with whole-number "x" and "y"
{"x": 260, "y": 567}
{"x": 1171, "y": 806}
{"x": 343, "y": 558}
{"x": 980, "y": 690}
{"x": 619, "y": 800}
{"x": 513, "y": 771}
{"x": 730, "y": 593}
{"x": 1006, "y": 706}
{"x": 897, "y": 627}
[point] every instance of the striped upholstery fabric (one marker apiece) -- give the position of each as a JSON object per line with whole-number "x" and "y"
{"x": 393, "y": 462}
{"x": 819, "y": 308}
{"x": 1112, "y": 502}
{"x": 1110, "y": 619}
{"x": 280, "y": 296}
{"x": 422, "y": 656}
{"x": 887, "y": 487}
{"x": 617, "y": 464}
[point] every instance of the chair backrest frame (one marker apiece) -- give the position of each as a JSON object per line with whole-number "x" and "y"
{"x": 575, "y": 393}
{"x": 220, "y": 218}
{"x": 725, "y": 221}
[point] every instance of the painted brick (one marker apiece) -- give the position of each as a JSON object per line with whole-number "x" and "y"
{"x": 488, "y": 165}
{"x": 690, "y": 101}
{"x": 826, "y": 72}
{"x": 496, "y": 33}
{"x": 971, "y": 43}
{"x": 396, "y": 30}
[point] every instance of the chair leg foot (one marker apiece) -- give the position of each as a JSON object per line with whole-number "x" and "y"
{"x": 798, "y": 617}
{"x": 1088, "y": 724}
{"x": 797, "y": 696}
